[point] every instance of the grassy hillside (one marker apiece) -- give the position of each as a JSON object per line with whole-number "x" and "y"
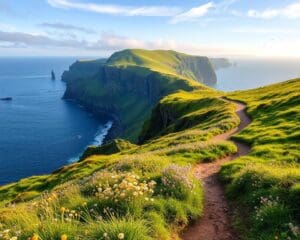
{"x": 131, "y": 82}
{"x": 266, "y": 183}
{"x": 142, "y": 191}
{"x": 126, "y": 94}
{"x": 168, "y": 62}
{"x": 148, "y": 191}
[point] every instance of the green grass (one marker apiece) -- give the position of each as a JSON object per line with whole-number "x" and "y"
{"x": 138, "y": 79}
{"x": 130, "y": 107}
{"x": 184, "y": 111}
{"x": 168, "y": 62}
{"x": 148, "y": 191}
{"x": 271, "y": 170}
{"x": 170, "y": 155}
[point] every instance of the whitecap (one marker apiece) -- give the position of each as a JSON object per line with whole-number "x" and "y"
{"x": 98, "y": 139}
{"x": 102, "y": 133}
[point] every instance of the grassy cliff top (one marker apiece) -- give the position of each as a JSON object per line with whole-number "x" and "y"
{"x": 268, "y": 179}
{"x": 127, "y": 191}
{"x": 143, "y": 205}
{"x": 86, "y": 200}
{"x": 164, "y": 61}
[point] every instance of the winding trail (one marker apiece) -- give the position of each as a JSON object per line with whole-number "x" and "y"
{"x": 215, "y": 222}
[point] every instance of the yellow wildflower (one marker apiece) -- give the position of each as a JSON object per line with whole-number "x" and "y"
{"x": 35, "y": 237}
{"x": 62, "y": 209}
{"x": 64, "y": 237}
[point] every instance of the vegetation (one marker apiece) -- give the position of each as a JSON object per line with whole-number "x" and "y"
{"x": 147, "y": 191}
{"x": 122, "y": 190}
{"x": 167, "y": 62}
{"x": 266, "y": 183}
{"x": 132, "y": 81}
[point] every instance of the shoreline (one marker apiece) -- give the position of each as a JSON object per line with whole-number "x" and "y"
{"x": 113, "y": 132}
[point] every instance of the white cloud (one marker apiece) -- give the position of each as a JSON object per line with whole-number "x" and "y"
{"x": 193, "y": 14}
{"x": 114, "y": 42}
{"x": 291, "y": 11}
{"x": 66, "y": 27}
{"x": 34, "y": 40}
{"x": 262, "y": 30}
{"x": 110, "y": 42}
{"x": 150, "y": 11}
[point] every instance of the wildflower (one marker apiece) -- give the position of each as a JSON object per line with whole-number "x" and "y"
{"x": 64, "y": 237}
{"x": 122, "y": 195}
{"x": 121, "y": 236}
{"x": 105, "y": 235}
{"x": 62, "y": 209}
{"x": 14, "y": 238}
{"x": 35, "y": 237}
{"x": 294, "y": 229}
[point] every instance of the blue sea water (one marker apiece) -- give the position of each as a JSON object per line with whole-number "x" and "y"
{"x": 40, "y": 132}
{"x": 256, "y": 72}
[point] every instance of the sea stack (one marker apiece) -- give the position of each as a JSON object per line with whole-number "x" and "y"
{"x": 52, "y": 75}
{"x": 6, "y": 99}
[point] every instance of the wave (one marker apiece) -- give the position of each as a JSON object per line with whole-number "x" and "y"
{"x": 102, "y": 133}
{"x": 98, "y": 139}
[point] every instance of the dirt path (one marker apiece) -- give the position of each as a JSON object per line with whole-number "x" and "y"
{"x": 215, "y": 222}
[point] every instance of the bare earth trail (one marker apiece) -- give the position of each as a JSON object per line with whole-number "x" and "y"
{"x": 215, "y": 222}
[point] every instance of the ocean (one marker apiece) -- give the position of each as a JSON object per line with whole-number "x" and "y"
{"x": 256, "y": 72}
{"x": 40, "y": 132}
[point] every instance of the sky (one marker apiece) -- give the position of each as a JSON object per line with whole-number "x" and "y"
{"x": 241, "y": 28}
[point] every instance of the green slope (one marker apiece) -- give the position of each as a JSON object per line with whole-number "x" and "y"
{"x": 131, "y": 82}
{"x": 163, "y": 212}
{"x": 266, "y": 183}
{"x": 169, "y": 62}
{"x": 111, "y": 190}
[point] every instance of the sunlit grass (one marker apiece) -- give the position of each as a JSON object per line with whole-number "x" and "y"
{"x": 272, "y": 169}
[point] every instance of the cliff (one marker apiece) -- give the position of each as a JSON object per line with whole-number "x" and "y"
{"x": 131, "y": 82}
{"x": 179, "y": 111}
{"x": 183, "y": 132}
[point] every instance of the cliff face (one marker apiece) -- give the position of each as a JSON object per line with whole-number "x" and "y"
{"x": 127, "y": 91}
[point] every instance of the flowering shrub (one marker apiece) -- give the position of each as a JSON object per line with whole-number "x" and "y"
{"x": 124, "y": 187}
{"x": 273, "y": 214}
{"x": 265, "y": 203}
{"x": 7, "y": 234}
{"x": 177, "y": 181}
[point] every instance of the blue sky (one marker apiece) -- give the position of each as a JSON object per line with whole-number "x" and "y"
{"x": 268, "y": 28}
